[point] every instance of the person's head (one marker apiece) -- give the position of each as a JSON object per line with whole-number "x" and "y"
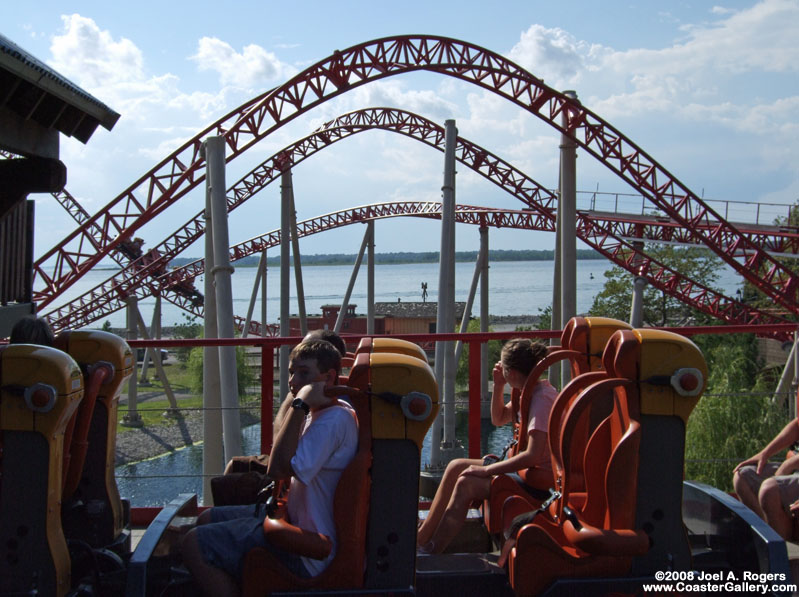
{"x": 313, "y": 360}
{"x": 31, "y": 330}
{"x": 518, "y": 357}
{"x": 330, "y": 336}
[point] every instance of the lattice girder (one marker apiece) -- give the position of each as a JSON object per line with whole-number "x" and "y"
{"x": 371, "y": 61}
{"x": 107, "y": 297}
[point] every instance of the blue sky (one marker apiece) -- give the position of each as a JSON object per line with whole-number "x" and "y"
{"x": 710, "y": 90}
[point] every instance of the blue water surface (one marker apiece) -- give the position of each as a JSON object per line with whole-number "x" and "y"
{"x": 157, "y": 481}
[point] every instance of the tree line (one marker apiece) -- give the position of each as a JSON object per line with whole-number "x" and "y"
{"x": 402, "y": 257}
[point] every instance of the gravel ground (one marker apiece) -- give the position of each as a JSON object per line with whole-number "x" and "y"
{"x": 134, "y": 444}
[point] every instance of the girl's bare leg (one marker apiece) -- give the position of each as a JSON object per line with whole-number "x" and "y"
{"x": 442, "y": 498}
{"x": 468, "y": 488}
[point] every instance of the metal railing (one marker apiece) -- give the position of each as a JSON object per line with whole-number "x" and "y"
{"x": 266, "y": 405}
{"x": 749, "y": 212}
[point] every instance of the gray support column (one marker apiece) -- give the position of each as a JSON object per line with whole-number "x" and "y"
{"x": 637, "y": 307}
{"x": 794, "y": 386}
{"x": 485, "y": 404}
{"x": 370, "y": 280}
{"x": 567, "y": 210}
{"x": 446, "y": 302}
{"x": 786, "y": 383}
{"x": 132, "y": 418}
{"x": 231, "y": 425}
{"x": 155, "y": 332}
{"x": 354, "y": 276}
{"x": 254, "y": 295}
{"x": 467, "y": 312}
{"x": 213, "y": 452}
{"x": 554, "y": 324}
{"x": 295, "y": 248}
{"x": 285, "y": 277}
{"x": 159, "y": 367}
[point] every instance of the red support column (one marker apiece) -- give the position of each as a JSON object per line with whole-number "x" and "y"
{"x": 267, "y": 397}
{"x": 474, "y": 399}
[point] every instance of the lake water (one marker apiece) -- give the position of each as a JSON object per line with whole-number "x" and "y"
{"x": 516, "y": 288}
{"x": 154, "y": 482}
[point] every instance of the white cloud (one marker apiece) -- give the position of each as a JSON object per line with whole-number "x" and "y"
{"x": 552, "y": 54}
{"x": 113, "y": 70}
{"x": 93, "y": 57}
{"x": 250, "y": 69}
{"x": 393, "y": 93}
{"x": 761, "y": 38}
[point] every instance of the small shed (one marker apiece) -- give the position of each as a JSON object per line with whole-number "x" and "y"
{"x": 411, "y": 317}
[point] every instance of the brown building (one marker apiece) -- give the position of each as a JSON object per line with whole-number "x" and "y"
{"x": 390, "y": 318}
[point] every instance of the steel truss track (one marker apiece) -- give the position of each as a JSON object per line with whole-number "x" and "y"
{"x": 135, "y": 279}
{"x": 370, "y": 61}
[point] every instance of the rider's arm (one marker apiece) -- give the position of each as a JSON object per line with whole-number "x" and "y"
{"x": 537, "y": 447}
{"x": 501, "y": 413}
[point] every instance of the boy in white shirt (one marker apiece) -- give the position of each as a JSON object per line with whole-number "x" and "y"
{"x": 316, "y": 441}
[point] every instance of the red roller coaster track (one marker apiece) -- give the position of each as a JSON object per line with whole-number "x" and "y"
{"x": 344, "y": 70}
{"x": 136, "y": 277}
{"x": 464, "y": 214}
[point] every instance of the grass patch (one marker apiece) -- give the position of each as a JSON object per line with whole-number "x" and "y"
{"x": 152, "y": 412}
{"x": 178, "y": 375}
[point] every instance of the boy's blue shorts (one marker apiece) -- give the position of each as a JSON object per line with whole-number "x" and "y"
{"x": 235, "y": 530}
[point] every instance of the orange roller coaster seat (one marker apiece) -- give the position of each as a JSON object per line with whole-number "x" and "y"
{"x": 582, "y": 343}
{"x": 595, "y": 535}
{"x": 264, "y": 573}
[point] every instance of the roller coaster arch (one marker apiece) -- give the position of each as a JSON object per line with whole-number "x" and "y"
{"x": 109, "y": 296}
{"x": 370, "y": 61}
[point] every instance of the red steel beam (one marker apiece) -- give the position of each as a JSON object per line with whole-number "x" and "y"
{"x": 370, "y": 61}
{"x": 109, "y": 296}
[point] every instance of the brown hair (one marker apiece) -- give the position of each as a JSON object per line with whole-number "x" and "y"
{"x": 32, "y": 330}
{"x": 328, "y": 335}
{"x": 522, "y": 354}
{"x": 326, "y": 355}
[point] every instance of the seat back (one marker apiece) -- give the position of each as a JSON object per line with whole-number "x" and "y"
{"x": 351, "y": 508}
{"x": 630, "y": 522}
{"x": 107, "y": 362}
{"x": 671, "y": 375}
{"x": 391, "y": 345}
{"x": 40, "y": 389}
{"x": 392, "y": 379}
{"x": 373, "y": 548}
{"x": 609, "y": 459}
{"x": 589, "y": 336}
{"x": 582, "y": 342}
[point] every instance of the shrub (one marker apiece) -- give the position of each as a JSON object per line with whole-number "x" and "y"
{"x": 494, "y": 349}
{"x": 244, "y": 373}
{"x": 736, "y": 417}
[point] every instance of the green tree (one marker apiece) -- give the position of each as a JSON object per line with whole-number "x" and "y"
{"x": 188, "y": 330}
{"x": 494, "y": 349}
{"x": 545, "y": 321}
{"x": 244, "y": 373}
{"x": 659, "y": 308}
{"x": 736, "y": 416}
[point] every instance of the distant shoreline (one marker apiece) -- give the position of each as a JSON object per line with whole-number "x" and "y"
{"x": 401, "y": 258}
